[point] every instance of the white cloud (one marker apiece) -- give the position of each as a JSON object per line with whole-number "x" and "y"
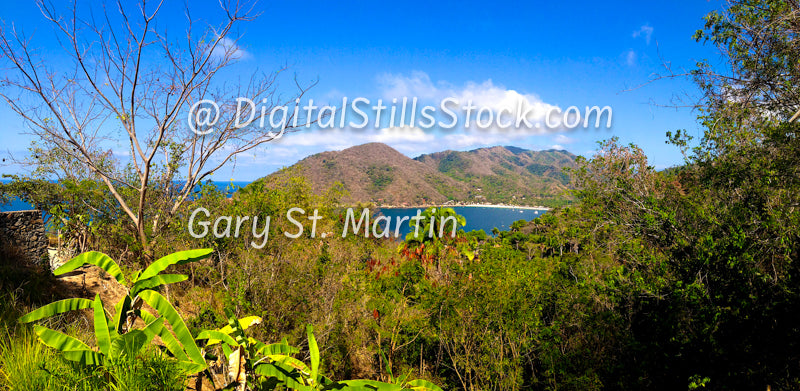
{"x": 462, "y": 141}
{"x": 414, "y": 141}
{"x": 418, "y": 85}
{"x": 484, "y": 94}
{"x": 630, "y": 57}
{"x": 645, "y": 31}
{"x": 343, "y": 138}
{"x": 230, "y": 47}
{"x": 282, "y": 152}
{"x": 404, "y": 134}
{"x": 562, "y": 139}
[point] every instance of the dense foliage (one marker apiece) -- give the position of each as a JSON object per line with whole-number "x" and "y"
{"x": 679, "y": 279}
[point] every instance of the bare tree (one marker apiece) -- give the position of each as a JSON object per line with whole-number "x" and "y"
{"x": 129, "y": 82}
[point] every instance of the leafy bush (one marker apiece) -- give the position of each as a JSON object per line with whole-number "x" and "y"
{"x": 27, "y": 364}
{"x": 381, "y": 176}
{"x": 126, "y": 359}
{"x": 255, "y": 365}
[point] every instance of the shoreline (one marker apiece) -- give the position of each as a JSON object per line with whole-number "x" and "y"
{"x": 498, "y": 206}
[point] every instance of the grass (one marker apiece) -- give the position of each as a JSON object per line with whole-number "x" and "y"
{"x": 20, "y": 358}
{"x": 27, "y": 364}
{"x": 152, "y": 370}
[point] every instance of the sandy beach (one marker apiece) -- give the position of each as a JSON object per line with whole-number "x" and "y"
{"x": 467, "y": 206}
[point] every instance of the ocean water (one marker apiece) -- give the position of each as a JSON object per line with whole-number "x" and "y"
{"x": 17, "y": 204}
{"x": 477, "y": 217}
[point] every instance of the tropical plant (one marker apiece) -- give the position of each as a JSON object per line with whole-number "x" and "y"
{"x": 434, "y": 225}
{"x": 115, "y": 333}
{"x": 245, "y": 359}
{"x": 26, "y": 364}
{"x": 253, "y": 365}
{"x": 416, "y": 384}
{"x": 430, "y": 240}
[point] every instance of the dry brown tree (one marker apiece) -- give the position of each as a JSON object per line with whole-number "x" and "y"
{"x": 119, "y": 110}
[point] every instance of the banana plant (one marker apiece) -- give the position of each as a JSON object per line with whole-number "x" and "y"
{"x": 251, "y": 364}
{"x": 404, "y": 383}
{"x": 111, "y": 346}
{"x": 115, "y": 332}
{"x": 254, "y": 365}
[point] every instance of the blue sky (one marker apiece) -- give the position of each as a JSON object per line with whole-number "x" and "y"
{"x": 552, "y": 53}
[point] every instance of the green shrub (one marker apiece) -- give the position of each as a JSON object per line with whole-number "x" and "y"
{"x": 380, "y": 176}
{"x": 26, "y": 364}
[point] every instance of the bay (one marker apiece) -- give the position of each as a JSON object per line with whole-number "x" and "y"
{"x": 478, "y": 217}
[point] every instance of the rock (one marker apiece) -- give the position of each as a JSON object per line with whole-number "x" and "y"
{"x": 22, "y": 236}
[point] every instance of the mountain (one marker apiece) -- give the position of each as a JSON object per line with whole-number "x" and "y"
{"x": 378, "y": 173}
{"x": 509, "y": 175}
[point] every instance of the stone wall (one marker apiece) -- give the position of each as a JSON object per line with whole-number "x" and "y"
{"x": 22, "y": 236}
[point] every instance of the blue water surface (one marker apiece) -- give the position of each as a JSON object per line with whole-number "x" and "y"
{"x": 477, "y": 217}
{"x": 17, "y": 204}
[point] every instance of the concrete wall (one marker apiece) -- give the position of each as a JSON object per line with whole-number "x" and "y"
{"x": 22, "y": 236}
